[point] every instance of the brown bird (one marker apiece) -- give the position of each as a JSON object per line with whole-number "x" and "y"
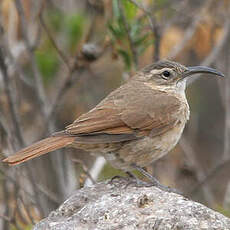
{"x": 133, "y": 126}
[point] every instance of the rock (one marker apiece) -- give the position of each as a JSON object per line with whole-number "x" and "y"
{"x": 121, "y": 205}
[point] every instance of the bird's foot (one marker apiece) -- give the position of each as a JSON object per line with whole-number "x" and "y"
{"x": 153, "y": 181}
{"x": 117, "y": 177}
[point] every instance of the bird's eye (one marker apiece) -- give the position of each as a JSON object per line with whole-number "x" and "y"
{"x": 166, "y": 74}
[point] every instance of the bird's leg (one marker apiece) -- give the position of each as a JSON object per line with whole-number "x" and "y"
{"x": 131, "y": 175}
{"x": 122, "y": 177}
{"x": 154, "y": 181}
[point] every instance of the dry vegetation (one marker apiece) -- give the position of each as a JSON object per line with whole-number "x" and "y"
{"x": 59, "y": 58}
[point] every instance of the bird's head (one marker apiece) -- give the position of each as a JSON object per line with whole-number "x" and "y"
{"x": 172, "y": 74}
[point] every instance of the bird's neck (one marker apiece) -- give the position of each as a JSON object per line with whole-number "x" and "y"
{"x": 178, "y": 89}
{"x": 178, "y": 92}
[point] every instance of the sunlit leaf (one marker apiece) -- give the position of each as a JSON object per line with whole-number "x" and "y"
{"x": 130, "y": 10}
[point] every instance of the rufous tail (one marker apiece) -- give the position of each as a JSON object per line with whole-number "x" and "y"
{"x": 39, "y": 148}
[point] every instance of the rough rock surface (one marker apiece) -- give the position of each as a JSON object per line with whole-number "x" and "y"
{"x": 117, "y": 205}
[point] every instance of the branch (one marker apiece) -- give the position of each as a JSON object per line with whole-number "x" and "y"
{"x": 200, "y": 174}
{"x": 208, "y": 61}
{"x": 217, "y": 49}
{"x": 10, "y": 98}
{"x": 39, "y": 89}
{"x": 154, "y": 27}
{"x": 190, "y": 31}
{"x": 59, "y": 51}
{"x": 127, "y": 28}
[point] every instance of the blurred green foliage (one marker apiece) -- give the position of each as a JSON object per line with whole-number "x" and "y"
{"x": 74, "y": 25}
{"x": 70, "y": 25}
{"x": 28, "y": 227}
{"x": 141, "y": 39}
{"x": 161, "y": 3}
{"x": 109, "y": 172}
{"x": 72, "y": 28}
{"x": 47, "y": 61}
{"x": 55, "y": 19}
{"x": 223, "y": 210}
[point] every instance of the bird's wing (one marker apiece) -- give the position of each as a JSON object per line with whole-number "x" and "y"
{"x": 128, "y": 113}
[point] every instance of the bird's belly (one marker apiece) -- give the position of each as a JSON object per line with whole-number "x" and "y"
{"x": 142, "y": 152}
{"x": 145, "y": 151}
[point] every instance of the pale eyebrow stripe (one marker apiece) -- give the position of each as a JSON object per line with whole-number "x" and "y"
{"x": 157, "y": 71}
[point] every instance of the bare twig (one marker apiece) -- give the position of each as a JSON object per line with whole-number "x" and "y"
{"x": 61, "y": 54}
{"x": 217, "y": 49}
{"x": 12, "y": 58}
{"x": 95, "y": 170}
{"x": 200, "y": 174}
{"x": 61, "y": 92}
{"x": 26, "y": 210}
{"x": 208, "y": 61}
{"x": 14, "y": 181}
{"x": 154, "y": 27}
{"x": 38, "y": 80}
{"x": 6, "y": 203}
{"x": 190, "y": 31}
{"x": 12, "y": 221}
{"x": 226, "y": 152}
{"x": 10, "y": 98}
{"x": 127, "y": 28}
{"x": 85, "y": 169}
{"x": 210, "y": 175}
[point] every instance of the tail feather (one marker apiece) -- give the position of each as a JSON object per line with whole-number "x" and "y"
{"x": 39, "y": 148}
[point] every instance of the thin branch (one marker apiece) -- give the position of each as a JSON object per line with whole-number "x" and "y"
{"x": 200, "y": 174}
{"x": 38, "y": 80}
{"x": 6, "y": 202}
{"x": 59, "y": 51}
{"x": 85, "y": 169}
{"x": 208, "y": 61}
{"x": 127, "y": 28}
{"x": 96, "y": 169}
{"x": 210, "y": 175}
{"x": 27, "y": 211}
{"x": 10, "y": 98}
{"x": 190, "y": 31}
{"x": 12, "y": 221}
{"x": 217, "y": 49}
{"x": 14, "y": 181}
{"x": 61, "y": 92}
{"x": 12, "y": 59}
{"x": 226, "y": 57}
{"x": 154, "y": 27}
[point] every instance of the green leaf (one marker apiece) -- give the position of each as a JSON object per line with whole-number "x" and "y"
{"x": 116, "y": 31}
{"x": 74, "y": 25}
{"x": 126, "y": 58}
{"x": 47, "y": 62}
{"x": 130, "y": 10}
{"x": 138, "y": 41}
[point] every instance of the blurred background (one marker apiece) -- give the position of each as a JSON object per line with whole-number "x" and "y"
{"x": 58, "y": 59}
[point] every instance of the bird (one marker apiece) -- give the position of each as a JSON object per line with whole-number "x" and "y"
{"x": 135, "y": 125}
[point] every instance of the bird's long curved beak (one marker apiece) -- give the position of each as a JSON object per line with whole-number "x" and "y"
{"x": 201, "y": 69}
